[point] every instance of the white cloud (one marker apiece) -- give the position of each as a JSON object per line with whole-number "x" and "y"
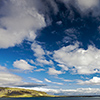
{"x": 78, "y": 91}
{"x": 93, "y": 81}
{"x": 40, "y": 54}
{"x": 49, "y": 53}
{"x": 3, "y": 68}
{"x": 83, "y": 61}
{"x": 36, "y": 80}
{"x": 20, "y": 21}
{"x": 53, "y": 71}
{"x": 8, "y": 79}
{"x": 38, "y": 51}
{"x": 83, "y": 7}
{"x": 39, "y": 70}
{"x": 65, "y": 80}
{"x": 31, "y": 61}
{"x": 44, "y": 61}
{"x": 23, "y": 65}
{"x": 63, "y": 67}
{"x": 49, "y": 81}
{"x": 87, "y": 4}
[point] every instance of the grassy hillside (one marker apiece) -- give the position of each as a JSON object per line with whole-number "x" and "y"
{"x": 17, "y": 92}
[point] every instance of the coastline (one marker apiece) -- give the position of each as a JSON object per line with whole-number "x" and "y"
{"x": 6, "y": 92}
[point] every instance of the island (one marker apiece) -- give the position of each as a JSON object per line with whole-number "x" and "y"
{"x": 7, "y": 92}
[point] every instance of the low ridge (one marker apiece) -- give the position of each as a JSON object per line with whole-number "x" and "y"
{"x": 19, "y": 92}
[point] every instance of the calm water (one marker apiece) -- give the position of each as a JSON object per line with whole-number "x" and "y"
{"x": 45, "y": 98}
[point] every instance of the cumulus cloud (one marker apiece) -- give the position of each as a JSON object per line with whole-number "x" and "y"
{"x": 36, "y": 80}
{"x": 49, "y": 81}
{"x": 23, "y": 65}
{"x": 79, "y": 60}
{"x": 40, "y": 54}
{"x": 78, "y": 91}
{"x": 93, "y": 81}
{"x": 20, "y": 21}
{"x": 53, "y": 71}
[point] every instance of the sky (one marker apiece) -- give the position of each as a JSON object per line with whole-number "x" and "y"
{"x": 50, "y": 45}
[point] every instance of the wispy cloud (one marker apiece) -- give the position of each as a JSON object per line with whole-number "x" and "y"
{"x": 53, "y": 71}
{"x": 40, "y": 54}
{"x": 63, "y": 67}
{"x": 65, "y": 80}
{"x": 36, "y": 80}
{"x": 39, "y": 70}
{"x": 49, "y": 81}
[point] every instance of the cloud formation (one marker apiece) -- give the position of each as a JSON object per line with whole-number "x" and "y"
{"x": 36, "y": 80}
{"x": 39, "y": 53}
{"x": 20, "y": 21}
{"x": 78, "y": 91}
{"x": 85, "y": 5}
{"x": 23, "y": 65}
{"x": 49, "y": 81}
{"x": 53, "y": 71}
{"x": 79, "y": 60}
{"x": 8, "y": 79}
{"x": 93, "y": 81}
{"x": 39, "y": 70}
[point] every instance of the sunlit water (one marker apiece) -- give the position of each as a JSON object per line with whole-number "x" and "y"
{"x": 46, "y": 98}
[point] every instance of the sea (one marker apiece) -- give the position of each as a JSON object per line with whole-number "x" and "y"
{"x": 57, "y": 98}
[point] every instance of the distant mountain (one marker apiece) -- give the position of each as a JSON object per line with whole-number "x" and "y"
{"x": 18, "y": 92}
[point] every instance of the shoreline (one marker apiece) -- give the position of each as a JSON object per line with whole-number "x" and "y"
{"x": 55, "y": 97}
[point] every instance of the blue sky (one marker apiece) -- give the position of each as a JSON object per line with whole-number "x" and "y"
{"x": 51, "y": 45}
